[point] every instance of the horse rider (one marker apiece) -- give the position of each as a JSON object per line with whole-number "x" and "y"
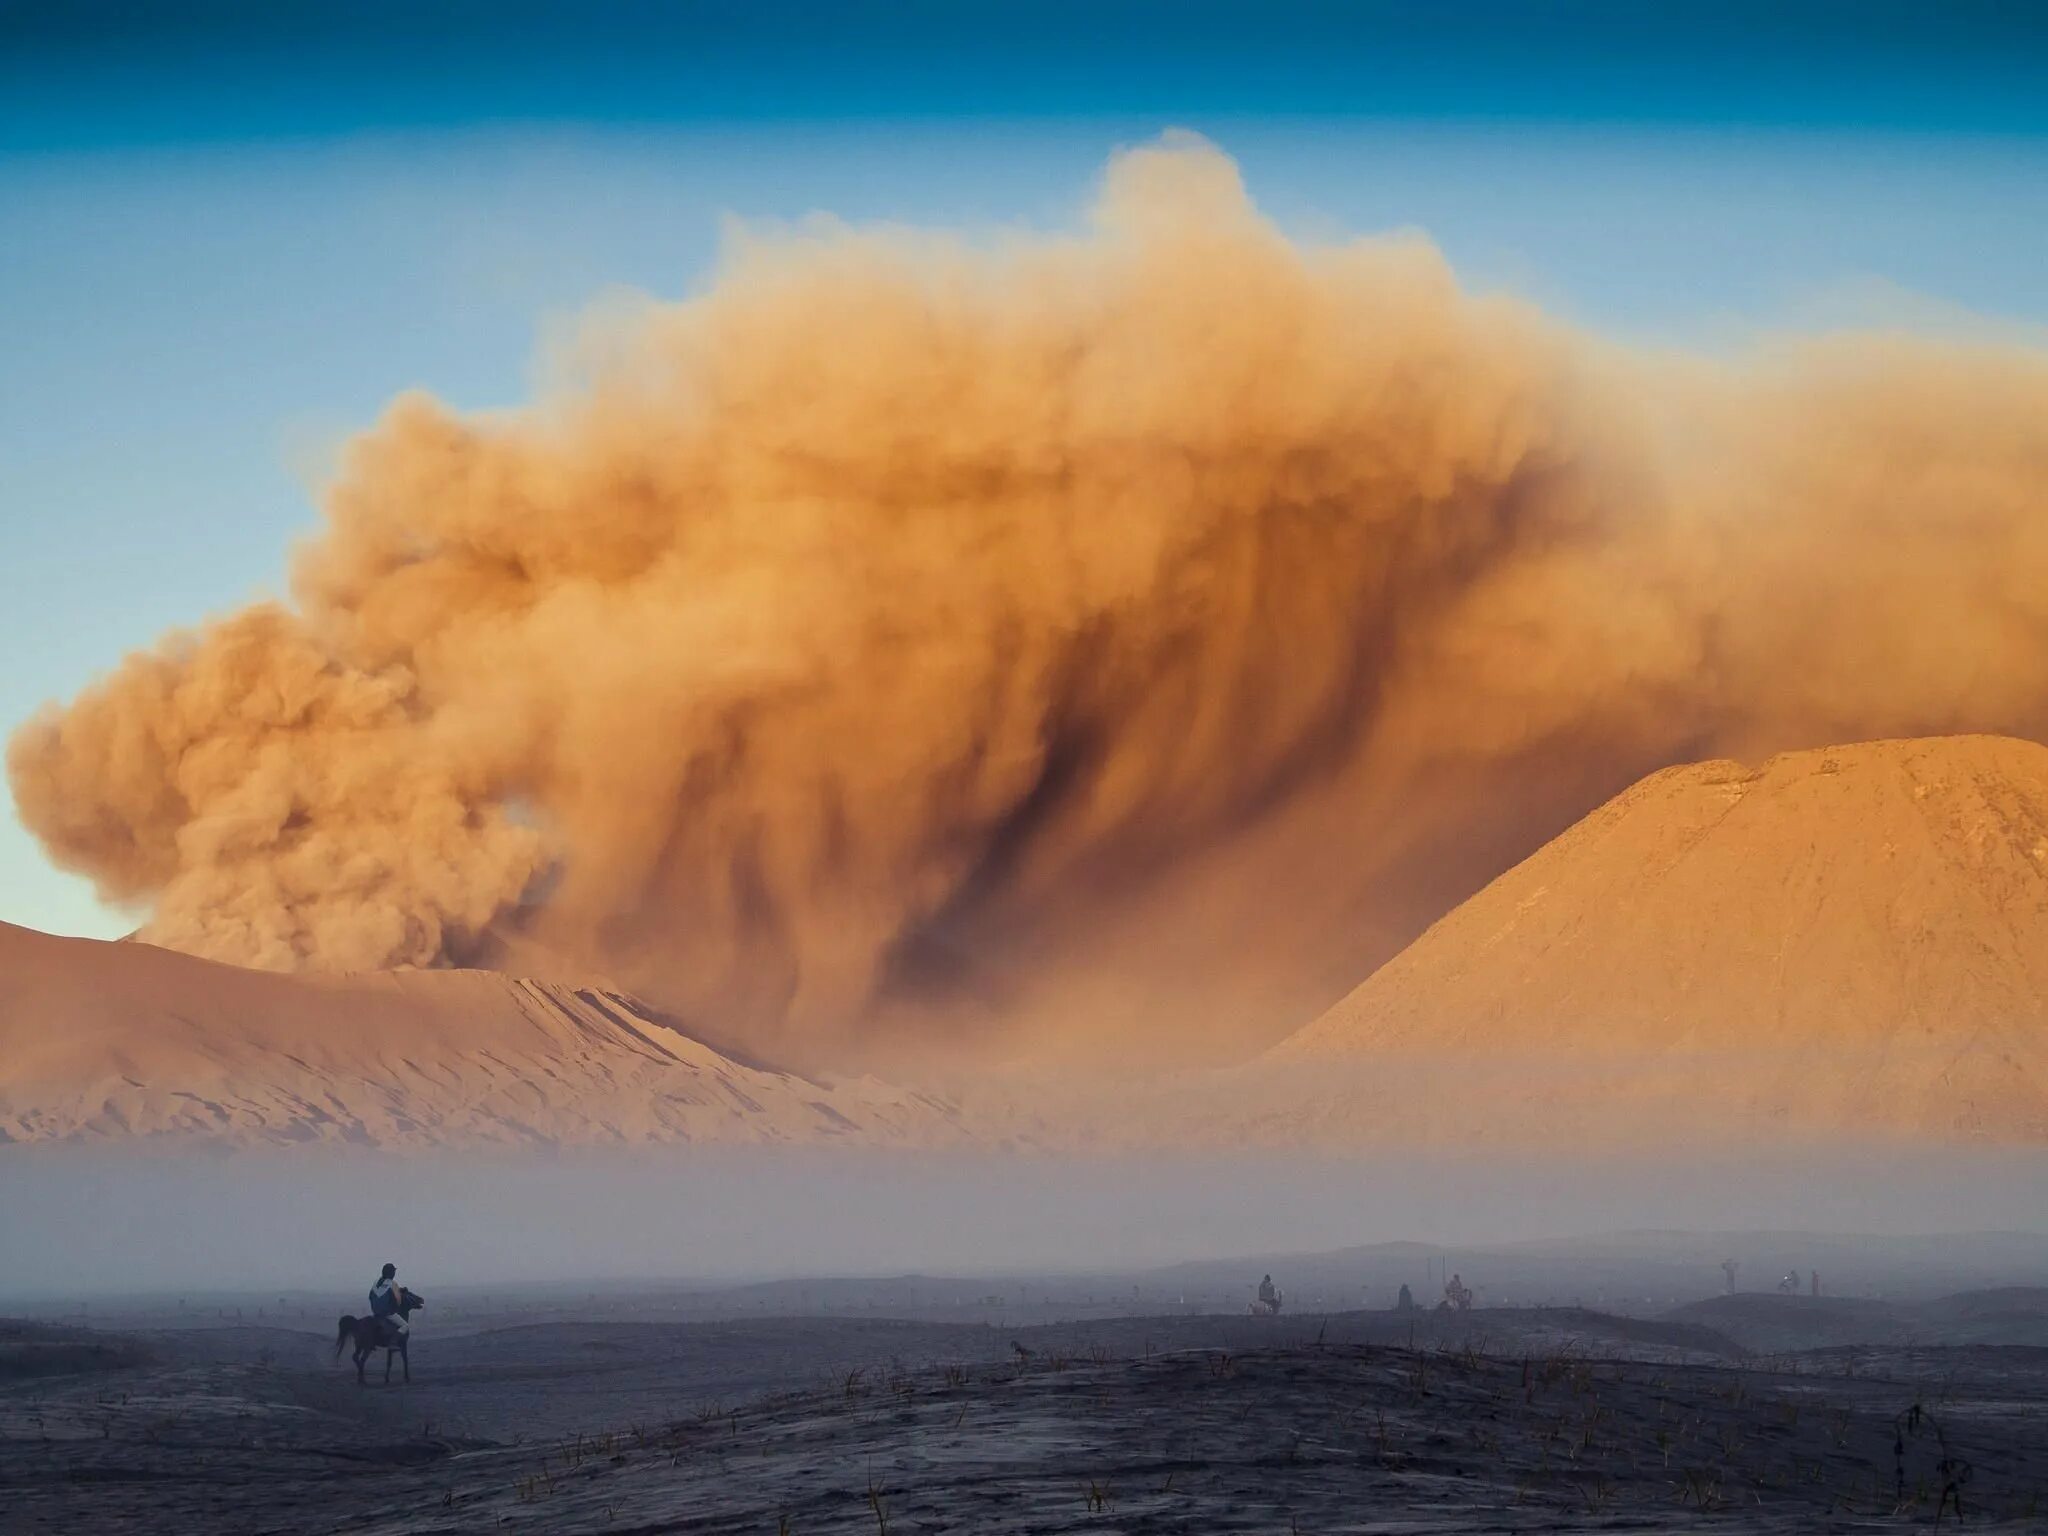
{"x": 384, "y": 1302}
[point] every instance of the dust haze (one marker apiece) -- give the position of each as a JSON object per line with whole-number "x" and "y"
{"x": 85, "y": 1222}
{"x": 1114, "y": 645}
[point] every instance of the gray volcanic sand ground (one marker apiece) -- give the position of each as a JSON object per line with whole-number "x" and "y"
{"x": 1498, "y": 1420}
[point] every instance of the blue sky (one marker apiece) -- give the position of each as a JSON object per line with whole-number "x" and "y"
{"x": 227, "y": 236}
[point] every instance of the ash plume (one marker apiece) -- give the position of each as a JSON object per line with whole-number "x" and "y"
{"x": 1116, "y": 643}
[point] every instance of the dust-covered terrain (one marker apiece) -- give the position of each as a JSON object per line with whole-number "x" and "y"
{"x": 1836, "y": 945}
{"x": 2014, "y": 1314}
{"x": 105, "y": 1043}
{"x": 1492, "y": 1419}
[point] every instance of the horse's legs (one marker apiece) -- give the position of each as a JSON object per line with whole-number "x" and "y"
{"x": 405, "y": 1359}
{"x": 388, "y": 1353}
{"x": 362, "y": 1358}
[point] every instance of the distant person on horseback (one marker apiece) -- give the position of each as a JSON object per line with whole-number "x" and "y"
{"x": 385, "y": 1328}
{"x": 384, "y": 1297}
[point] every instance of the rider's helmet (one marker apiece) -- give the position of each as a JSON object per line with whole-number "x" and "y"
{"x": 390, "y": 1270}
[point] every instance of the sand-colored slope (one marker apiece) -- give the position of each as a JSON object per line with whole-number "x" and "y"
{"x": 1852, "y": 939}
{"x": 1842, "y": 943}
{"x": 114, "y": 1041}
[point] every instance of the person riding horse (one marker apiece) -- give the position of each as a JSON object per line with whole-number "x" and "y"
{"x": 384, "y": 1299}
{"x": 1268, "y": 1302}
{"x": 385, "y": 1328}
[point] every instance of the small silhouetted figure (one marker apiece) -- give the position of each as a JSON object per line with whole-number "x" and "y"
{"x": 1405, "y": 1302}
{"x": 1268, "y": 1303}
{"x": 1814, "y": 1280}
{"x": 1456, "y": 1295}
{"x": 1728, "y": 1268}
{"x": 1789, "y": 1286}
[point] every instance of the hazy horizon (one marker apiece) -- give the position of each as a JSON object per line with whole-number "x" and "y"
{"x": 304, "y": 1219}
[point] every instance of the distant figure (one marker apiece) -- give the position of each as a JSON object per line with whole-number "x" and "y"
{"x": 384, "y": 1303}
{"x": 1789, "y": 1286}
{"x": 1268, "y": 1304}
{"x": 1814, "y": 1278}
{"x": 1457, "y": 1295}
{"x": 388, "y": 1332}
{"x": 1728, "y": 1269}
{"x": 1405, "y": 1302}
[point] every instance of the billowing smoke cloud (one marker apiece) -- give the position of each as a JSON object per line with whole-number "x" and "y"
{"x": 1076, "y": 642}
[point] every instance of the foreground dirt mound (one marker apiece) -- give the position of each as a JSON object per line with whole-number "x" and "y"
{"x": 102, "y": 1042}
{"x": 1849, "y": 940}
{"x": 31, "y": 1350}
{"x": 1229, "y": 1434}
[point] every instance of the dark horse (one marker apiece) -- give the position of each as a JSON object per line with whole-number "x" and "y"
{"x": 369, "y": 1335}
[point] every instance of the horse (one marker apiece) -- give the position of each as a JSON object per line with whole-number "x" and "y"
{"x": 368, "y": 1335}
